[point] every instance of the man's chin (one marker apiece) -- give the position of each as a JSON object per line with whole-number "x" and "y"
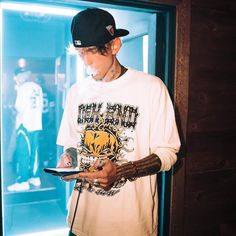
{"x": 97, "y": 78}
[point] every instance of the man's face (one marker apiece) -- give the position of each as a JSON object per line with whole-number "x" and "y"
{"x": 97, "y": 64}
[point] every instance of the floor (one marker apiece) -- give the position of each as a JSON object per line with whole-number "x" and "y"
{"x": 42, "y": 218}
{"x": 40, "y": 211}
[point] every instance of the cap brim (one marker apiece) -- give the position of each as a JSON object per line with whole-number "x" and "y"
{"x": 121, "y": 32}
{"x": 118, "y": 33}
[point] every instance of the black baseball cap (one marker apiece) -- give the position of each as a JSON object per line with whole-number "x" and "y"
{"x": 94, "y": 27}
{"x": 21, "y": 70}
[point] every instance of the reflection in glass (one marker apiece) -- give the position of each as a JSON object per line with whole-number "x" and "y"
{"x": 28, "y": 109}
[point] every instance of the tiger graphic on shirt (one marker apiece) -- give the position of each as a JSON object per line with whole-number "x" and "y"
{"x": 103, "y": 133}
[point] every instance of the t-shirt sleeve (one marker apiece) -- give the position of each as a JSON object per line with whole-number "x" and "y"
{"x": 164, "y": 138}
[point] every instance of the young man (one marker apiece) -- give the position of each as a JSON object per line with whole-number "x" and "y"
{"x": 29, "y": 108}
{"x": 119, "y": 126}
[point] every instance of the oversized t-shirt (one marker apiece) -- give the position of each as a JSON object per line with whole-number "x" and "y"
{"x": 124, "y": 120}
{"x": 29, "y": 106}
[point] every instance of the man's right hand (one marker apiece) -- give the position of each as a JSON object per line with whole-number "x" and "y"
{"x": 65, "y": 161}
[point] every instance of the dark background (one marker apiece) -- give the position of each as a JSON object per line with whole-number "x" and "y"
{"x": 204, "y": 194}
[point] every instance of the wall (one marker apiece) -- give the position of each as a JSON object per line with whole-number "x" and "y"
{"x": 209, "y": 205}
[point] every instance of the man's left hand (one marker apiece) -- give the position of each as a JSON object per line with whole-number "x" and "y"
{"x": 103, "y": 174}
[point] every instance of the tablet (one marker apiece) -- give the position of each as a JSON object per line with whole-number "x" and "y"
{"x": 62, "y": 171}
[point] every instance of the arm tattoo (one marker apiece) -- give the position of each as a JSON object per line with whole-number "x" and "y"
{"x": 134, "y": 169}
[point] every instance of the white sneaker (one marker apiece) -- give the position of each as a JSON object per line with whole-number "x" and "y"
{"x": 18, "y": 187}
{"x": 35, "y": 181}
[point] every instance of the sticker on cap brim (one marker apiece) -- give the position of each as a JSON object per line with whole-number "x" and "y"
{"x": 110, "y": 29}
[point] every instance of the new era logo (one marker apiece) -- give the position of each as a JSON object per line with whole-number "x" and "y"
{"x": 77, "y": 42}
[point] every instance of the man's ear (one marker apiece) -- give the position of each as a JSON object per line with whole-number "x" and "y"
{"x": 116, "y": 45}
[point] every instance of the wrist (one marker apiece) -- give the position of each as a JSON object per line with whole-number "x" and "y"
{"x": 134, "y": 169}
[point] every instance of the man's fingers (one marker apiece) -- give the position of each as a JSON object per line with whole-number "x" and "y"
{"x": 99, "y": 164}
{"x": 65, "y": 161}
{"x": 91, "y": 175}
{"x": 70, "y": 177}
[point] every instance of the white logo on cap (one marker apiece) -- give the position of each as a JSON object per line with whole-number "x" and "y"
{"x": 77, "y": 42}
{"x": 110, "y": 29}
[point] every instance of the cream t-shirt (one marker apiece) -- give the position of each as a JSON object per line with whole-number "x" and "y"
{"x": 124, "y": 120}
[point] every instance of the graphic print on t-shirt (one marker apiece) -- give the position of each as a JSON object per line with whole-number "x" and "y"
{"x": 103, "y": 134}
{"x": 35, "y": 98}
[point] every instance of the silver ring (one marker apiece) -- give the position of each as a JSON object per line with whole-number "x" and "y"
{"x": 96, "y": 183}
{"x": 101, "y": 163}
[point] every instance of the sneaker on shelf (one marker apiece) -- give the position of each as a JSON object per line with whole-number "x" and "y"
{"x": 18, "y": 187}
{"x": 35, "y": 181}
